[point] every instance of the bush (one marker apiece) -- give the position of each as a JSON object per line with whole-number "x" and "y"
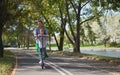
{"x": 114, "y": 44}
{"x": 53, "y": 45}
{"x": 118, "y": 44}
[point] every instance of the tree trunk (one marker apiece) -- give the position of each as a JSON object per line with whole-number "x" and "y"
{"x": 76, "y": 47}
{"x": 49, "y": 43}
{"x": 77, "y": 40}
{"x": 56, "y": 41}
{"x": 1, "y": 43}
{"x": 28, "y": 39}
{"x": 63, "y": 23}
{"x": 62, "y": 36}
{"x": 61, "y": 40}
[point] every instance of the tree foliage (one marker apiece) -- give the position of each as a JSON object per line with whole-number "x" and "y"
{"x": 66, "y": 17}
{"x": 7, "y": 12}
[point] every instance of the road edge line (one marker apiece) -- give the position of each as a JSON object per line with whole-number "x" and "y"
{"x": 16, "y": 64}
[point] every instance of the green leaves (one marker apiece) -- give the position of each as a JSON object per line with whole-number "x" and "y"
{"x": 52, "y": 12}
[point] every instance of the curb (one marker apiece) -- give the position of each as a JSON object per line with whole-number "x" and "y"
{"x": 16, "y": 64}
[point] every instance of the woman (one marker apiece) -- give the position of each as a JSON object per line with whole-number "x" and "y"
{"x": 37, "y": 33}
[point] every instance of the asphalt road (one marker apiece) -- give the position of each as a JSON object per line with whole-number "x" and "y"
{"x": 27, "y": 64}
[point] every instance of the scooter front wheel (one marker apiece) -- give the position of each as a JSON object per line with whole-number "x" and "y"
{"x": 42, "y": 65}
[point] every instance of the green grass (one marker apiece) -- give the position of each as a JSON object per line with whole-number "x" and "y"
{"x": 6, "y": 63}
{"x": 53, "y": 45}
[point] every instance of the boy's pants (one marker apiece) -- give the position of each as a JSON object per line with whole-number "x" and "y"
{"x": 39, "y": 51}
{"x": 42, "y": 53}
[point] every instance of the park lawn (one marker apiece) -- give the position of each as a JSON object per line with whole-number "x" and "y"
{"x": 6, "y": 63}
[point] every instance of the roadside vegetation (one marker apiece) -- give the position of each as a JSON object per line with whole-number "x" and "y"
{"x": 7, "y": 63}
{"x": 109, "y": 60}
{"x": 110, "y": 44}
{"x": 93, "y": 57}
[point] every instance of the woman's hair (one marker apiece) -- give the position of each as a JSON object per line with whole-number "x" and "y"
{"x": 40, "y": 21}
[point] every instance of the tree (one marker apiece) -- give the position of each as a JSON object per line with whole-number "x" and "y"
{"x": 76, "y": 35}
{"x": 7, "y": 10}
{"x": 108, "y": 7}
{"x": 77, "y": 13}
{"x": 53, "y": 21}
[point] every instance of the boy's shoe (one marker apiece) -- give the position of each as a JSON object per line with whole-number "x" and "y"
{"x": 40, "y": 62}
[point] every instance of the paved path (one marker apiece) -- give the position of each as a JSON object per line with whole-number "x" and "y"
{"x": 27, "y": 64}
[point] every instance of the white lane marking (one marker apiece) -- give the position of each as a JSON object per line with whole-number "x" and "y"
{"x": 62, "y": 73}
{"x": 61, "y": 70}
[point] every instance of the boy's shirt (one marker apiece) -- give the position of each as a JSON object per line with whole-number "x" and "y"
{"x": 37, "y": 31}
{"x": 42, "y": 41}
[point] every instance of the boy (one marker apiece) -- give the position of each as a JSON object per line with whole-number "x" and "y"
{"x": 42, "y": 43}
